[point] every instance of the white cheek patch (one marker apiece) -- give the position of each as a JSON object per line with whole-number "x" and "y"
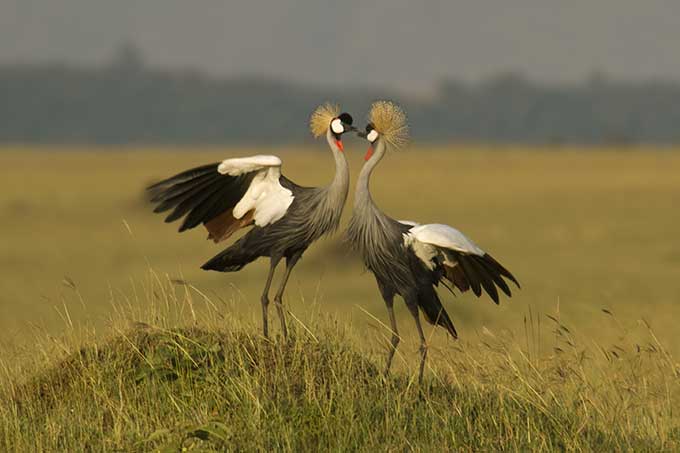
{"x": 336, "y": 126}
{"x": 372, "y": 136}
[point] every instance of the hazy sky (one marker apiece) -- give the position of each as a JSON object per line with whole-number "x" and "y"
{"x": 402, "y": 43}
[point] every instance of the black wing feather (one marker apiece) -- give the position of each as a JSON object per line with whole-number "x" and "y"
{"x": 485, "y": 278}
{"x": 481, "y": 272}
{"x": 497, "y": 278}
{"x": 201, "y": 193}
{"x": 179, "y": 202}
{"x": 159, "y": 188}
{"x": 204, "y": 205}
{"x": 500, "y": 269}
{"x": 471, "y": 274}
{"x": 173, "y": 200}
{"x": 190, "y": 204}
{"x": 164, "y": 193}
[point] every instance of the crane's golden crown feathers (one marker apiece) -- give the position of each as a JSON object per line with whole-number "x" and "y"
{"x": 389, "y": 120}
{"x": 320, "y": 119}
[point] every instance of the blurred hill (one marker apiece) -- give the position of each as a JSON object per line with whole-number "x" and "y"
{"x": 124, "y": 101}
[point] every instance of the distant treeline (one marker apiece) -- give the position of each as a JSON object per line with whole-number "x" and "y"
{"x": 127, "y": 103}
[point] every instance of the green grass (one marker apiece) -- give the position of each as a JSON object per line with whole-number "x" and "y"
{"x": 582, "y": 358}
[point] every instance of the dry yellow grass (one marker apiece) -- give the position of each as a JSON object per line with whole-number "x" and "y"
{"x": 583, "y": 230}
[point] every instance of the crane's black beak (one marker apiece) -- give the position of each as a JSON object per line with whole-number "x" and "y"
{"x": 349, "y": 127}
{"x": 361, "y": 134}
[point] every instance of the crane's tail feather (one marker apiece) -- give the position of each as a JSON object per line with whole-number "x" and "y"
{"x": 434, "y": 311}
{"x": 232, "y": 259}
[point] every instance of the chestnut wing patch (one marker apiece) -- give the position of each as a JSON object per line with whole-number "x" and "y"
{"x": 225, "y": 224}
{"x": 455, "y": 275}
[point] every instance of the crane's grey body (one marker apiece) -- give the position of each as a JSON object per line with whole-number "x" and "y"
{"x": 380, "y": 241}
{"x": 205, "y": 196}
{"x": 314, "y": 212}
{"x": 390, "y": 251}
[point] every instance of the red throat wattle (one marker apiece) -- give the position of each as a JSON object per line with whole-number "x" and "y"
{"x": 340, "y": 146}
{"x": 369, "y": 153}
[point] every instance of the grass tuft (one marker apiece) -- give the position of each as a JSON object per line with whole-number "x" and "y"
{"x": 203, "y": 388}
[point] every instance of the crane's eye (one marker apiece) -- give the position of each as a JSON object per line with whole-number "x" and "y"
{"x": 372, "y": 136}
{"x": 336, "y": 126}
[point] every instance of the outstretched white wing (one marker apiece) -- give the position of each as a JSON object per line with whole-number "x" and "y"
{"x": 460, "y": 260}
{"x": 240, "y": 165}
{"x": 439, "y": 235}
{"x": 265, "y": 196}
{"x": 225, "y": 196}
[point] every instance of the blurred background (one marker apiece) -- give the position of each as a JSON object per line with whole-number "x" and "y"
{"x": 169, "y": 71}
{"x": 546, "y": 131}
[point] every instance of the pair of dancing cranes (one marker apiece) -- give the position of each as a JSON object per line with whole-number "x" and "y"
{"x": 407, "y": 259}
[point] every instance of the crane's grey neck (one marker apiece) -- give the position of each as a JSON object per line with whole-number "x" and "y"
{"x": 373, "y": 234}
{"x": 362, "y": 194}
{"x": 323, "y": 211}
{"x": 340, "y": 184}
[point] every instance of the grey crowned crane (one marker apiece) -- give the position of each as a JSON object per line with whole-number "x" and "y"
{"x": 408, "y": 259}
{"x": 284, "y": 218}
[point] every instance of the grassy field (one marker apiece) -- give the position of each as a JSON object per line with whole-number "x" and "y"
{"x": 582, "y": 358}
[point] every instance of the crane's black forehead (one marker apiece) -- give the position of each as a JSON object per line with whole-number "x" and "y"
{"x": 369, "y": 127}
{"x": 345, "y": 118}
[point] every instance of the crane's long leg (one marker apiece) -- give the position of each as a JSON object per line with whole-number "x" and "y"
{"x": 394, "y": 342}
{"x": 388, "y": 296}
{"x": 278, "y": 298}
{"x": 273, "y": 262}
{"x": 423, "y": 344}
